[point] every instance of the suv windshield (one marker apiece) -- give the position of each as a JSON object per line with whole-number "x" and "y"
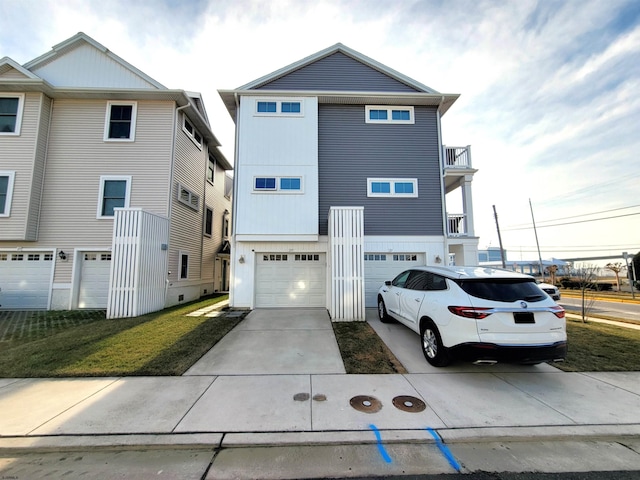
{"x": 503, "y": 289}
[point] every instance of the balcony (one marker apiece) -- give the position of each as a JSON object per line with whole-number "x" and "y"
{"x": 457, "y": 225}
{"x": 457, "y": 166}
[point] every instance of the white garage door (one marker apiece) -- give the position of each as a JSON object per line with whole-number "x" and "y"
{"x": 380, "y": 267}
{"x": 291, "y": 280}
{"x": 94, "y": 279}
{"x": 25, "y": 280}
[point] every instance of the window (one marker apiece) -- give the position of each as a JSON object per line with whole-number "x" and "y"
{"x": 11, "y": 113}
{"x": 370, "y": 257}
{"x": 275, "y": 258}
{"x": 385, "y": 114}
{"x": 277, "y": 184}
{"x": 211, "y": 169}
{"x": 120, "y": 124}
{"x": 405, "y": 257}
{"x": 425, "y": 281}
{"x": 228, "y": 186}
{"x": 192, "y": 133}
{"x": 6, "y": 192}
{"x": 208, "y": 221}
{"x": 188, "y": 198}
{"x": 114, "y": 193}
{"x": 183, "y": 267}
{"x": 307, "y": 258}
{"x": 274, "y": 107}
{"x": 392, "y": 187}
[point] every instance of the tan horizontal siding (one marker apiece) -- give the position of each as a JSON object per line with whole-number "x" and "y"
{"x": 38, "y": 169}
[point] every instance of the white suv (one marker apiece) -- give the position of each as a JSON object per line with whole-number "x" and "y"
{"x": 479, "y": 314}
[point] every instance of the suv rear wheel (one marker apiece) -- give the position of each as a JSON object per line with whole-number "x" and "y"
{"x": 432, "y": 348}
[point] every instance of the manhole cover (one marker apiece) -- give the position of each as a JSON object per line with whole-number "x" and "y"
{"x": 407, "y": 403}
{"x": 366, "y": 404}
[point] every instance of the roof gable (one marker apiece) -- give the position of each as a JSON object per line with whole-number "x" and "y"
{"x": 9, "y": 69}
{"x": 80, "y": 61}
{"x": 338, "y": 68}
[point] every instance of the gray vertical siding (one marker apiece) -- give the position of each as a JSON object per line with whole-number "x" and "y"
{"x": 350, "y": 151}
{"x": 338, "y": 72}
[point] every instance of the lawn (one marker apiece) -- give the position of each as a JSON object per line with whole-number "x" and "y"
{"x": 160, "y": 343}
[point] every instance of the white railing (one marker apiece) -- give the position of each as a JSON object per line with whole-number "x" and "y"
{"x": 346, "y": 247}
{"x": 139, "y": 263}
{"x": 456, "y": 225}
{"x": 457, "y": 157}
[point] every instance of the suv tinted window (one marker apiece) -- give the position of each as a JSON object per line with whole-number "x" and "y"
{"x": 401, "y": 279}
{"x": 503, "y": 290}
{"x": 420, "y": 280}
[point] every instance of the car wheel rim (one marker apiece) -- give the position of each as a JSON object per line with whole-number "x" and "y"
{"x": 381, "y": 309}
{"x": 430, "y": 343}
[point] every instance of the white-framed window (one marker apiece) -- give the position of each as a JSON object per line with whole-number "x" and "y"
{"x": 278, "y": 184}
{"x": 208, "y": 222}
{"x": 115, "y": 191}
{"x": 281, "y": 107}
{"x": 11, "y": 107}
{"x": 392, "y": 187}
{"x": 7, "y": 179}
{"x": 375, "y": 257}
{"x": 120, "y": 121}
{"x": 183, "y": 265}
{"x": 188, "y": 197}
{"x": 405, "y": 257}
{"x": 388, "y": 114}
{"x": 211, "y": 169}
{"x": 192, "y": 133}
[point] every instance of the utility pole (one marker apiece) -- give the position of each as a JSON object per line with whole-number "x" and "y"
{"x": 537, "y": 243}
{"x": 495, "y": 215}
{"x": 625, "y": 255}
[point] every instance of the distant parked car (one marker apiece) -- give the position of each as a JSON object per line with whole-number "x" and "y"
{"x": 479, "y": 314}
{"x": 551, "y": 290}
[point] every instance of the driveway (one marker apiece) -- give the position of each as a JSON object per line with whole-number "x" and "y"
{"x": 275, "y": 342}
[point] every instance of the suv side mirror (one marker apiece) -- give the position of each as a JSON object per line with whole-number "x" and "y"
{"x": 388, "y": 283}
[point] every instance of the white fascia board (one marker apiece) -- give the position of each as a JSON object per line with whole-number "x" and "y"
{"x": 13, "y": 64}
{"x": 275, "y": 238}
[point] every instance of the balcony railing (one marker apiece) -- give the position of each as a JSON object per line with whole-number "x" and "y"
{"x": 457, "y": 157}
{"x": 457, "y": 225}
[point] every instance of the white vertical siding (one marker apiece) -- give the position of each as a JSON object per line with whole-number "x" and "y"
{"x": 277, "y": 146}
{"x": 346, "y": 247}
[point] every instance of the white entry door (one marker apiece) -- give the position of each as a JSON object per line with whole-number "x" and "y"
{"x": 94, "y": 279}
{"x": 380, "y": 267}
{"x": 291, "y": 280}
{"x": 25, "y": 280}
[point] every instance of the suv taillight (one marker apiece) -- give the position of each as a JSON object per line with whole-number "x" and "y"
{"x": 470, "y": 312}
{"x": 558, "y": 311}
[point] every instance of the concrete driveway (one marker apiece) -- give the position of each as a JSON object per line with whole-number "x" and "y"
{"x": 274, "y": 342}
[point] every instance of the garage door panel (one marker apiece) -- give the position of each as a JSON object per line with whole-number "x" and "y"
{"x": 94, "y": 280}
{"x": 291, "y": 280}
{"x": 380, "y": 267}
{"x": 25, "y": 280}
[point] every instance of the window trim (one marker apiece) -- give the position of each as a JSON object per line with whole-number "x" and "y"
{"x": 392, "y": 182}
{"x": 19, "y": 112}
{"x": 11, "y": 180}
{"x": 192, "y": 195}
{"x": 278, "y": 187}
{"x": 208, "y": 234}
{"x": 127, "y": 198}
{"x": 389, "y": 109}
{"x": 134, "y": 117}
{"x": 192, "y": 137}
{"x": 279, "y": 112}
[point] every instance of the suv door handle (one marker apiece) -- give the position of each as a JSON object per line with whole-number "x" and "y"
{"x": 417, "y": 299}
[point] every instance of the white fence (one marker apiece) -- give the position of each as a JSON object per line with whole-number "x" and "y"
{"x": 457, "y": 157}
{"x": 346, "y": 247}
{"x": 139, "y": 263}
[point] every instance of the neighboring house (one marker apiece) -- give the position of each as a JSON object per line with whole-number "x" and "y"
{"x": 88, "y": 142}
{"x": 491, "y": 254}
{"x": 341, "y": 182}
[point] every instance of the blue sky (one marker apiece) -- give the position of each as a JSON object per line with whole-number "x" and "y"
{"x": 549, "y": 89}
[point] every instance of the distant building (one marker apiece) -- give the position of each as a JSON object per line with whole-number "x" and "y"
{"x": 491, "y": 254}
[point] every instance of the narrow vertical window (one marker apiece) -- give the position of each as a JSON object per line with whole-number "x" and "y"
{"x": 6, "y": 192}
{"x": 184, "y": 265}
{"x": 211, "y": 169}
{"x": 208, "y": 222}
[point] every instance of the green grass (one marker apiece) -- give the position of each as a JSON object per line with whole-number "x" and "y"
{"x": 599, "y": 347}
{"x": 363, "y": 351}
{"x": 160, "y": 343}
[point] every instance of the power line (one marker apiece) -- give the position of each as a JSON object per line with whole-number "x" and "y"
{"x": 573, "y": 223}
{"x": 575, "y": 216}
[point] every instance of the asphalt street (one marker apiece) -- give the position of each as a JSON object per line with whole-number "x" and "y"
{"x": 629, "y": 311}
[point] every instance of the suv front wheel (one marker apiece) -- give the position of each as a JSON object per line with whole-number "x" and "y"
{"x": 432, "y": 348}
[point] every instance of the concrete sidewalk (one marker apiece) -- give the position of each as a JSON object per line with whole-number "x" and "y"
{"x": 462, "y": 406}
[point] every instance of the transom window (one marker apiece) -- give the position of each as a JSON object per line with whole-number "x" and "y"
{"x": 405, "y": 258}
{"x": 307, "y": 258}
{"x": 192, "y": 133}
{"x": 392, "y": 187}
{"x": 114, "y": 193}
{"x": 389, "y": 114}
{"x": 274, "y": 107}
{"x": 375, "y": 257}
{"x": 275, "y": 258}
{"x": 6, "y": 192}
{"x": 11, "y": 113}
{"x": 277, "y": 184}
{"x": 120, "y": 124}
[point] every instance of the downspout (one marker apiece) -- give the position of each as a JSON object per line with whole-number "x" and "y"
{"x": 442, "y": 190}
{"x": 232, "y": 263}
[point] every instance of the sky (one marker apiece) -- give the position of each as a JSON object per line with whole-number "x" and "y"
{"x": 549, "y": 89}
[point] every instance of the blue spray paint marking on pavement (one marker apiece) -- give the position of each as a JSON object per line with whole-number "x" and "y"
{"x": 381, "y": 449}
{"x": 445, "y": 450}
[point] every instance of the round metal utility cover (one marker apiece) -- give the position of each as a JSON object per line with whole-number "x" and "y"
{"x": 407, "y": 403}
{"x": 366, "y": 404}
